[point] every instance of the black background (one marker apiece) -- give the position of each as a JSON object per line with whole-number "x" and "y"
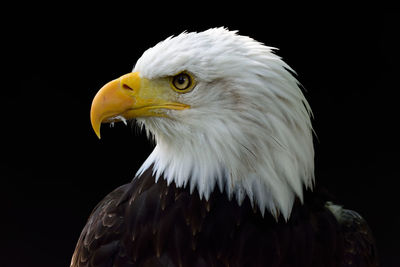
{"x": 54, "y": 170}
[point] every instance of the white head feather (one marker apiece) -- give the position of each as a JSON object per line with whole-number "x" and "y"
{"x": 248, "y": 129}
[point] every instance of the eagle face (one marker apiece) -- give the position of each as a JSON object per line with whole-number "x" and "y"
{"x": 224, "y": 111}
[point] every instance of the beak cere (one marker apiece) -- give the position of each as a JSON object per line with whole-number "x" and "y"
{"x": 129, "y": 97}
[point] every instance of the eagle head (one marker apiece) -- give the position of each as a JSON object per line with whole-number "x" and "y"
{"x": 224, "y": 111}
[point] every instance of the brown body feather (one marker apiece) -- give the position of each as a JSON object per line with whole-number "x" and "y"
{"x": 144, "y": 223}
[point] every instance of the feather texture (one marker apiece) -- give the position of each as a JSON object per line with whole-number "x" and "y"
{"x": 148, "y": 223}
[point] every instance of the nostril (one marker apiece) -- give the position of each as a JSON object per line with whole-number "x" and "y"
{"x": 125, "y": 86}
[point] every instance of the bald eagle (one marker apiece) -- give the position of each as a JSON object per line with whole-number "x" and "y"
{"x": 230, "y": 181}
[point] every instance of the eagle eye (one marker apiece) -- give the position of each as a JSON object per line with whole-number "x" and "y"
{"x": 182, "y": 82}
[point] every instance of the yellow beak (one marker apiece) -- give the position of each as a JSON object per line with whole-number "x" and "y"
{"x": 130, "y": 97}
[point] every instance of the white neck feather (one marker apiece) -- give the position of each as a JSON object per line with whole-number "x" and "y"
{"x": 249, "y": 133}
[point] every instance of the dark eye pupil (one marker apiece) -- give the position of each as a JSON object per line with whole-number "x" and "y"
{"x": 181, "y": 79}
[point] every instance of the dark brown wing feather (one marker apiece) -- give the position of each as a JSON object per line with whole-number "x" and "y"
{"x": 359, "y": 244}
{"x": 152, "y": 224}
{"x": 99, "y": 243}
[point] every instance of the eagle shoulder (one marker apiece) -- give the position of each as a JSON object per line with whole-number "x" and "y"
{"x": 359, "y": 244}
{"x": 117, "y": 229}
